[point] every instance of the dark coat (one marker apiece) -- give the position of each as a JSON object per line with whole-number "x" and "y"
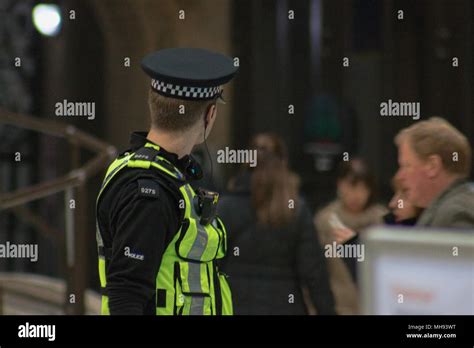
{"x": 389, "y": 219}
{"x": 268, "y": 267}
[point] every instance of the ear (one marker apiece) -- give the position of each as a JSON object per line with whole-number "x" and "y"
{"x": 210, "y": 114}
{"x": 433, "y": 165}
{"x": 212, "y": 111}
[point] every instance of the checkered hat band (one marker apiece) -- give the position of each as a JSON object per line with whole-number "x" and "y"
{"x": 185, "y": 92}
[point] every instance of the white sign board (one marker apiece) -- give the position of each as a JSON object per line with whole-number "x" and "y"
{"x": 417, "y": 271}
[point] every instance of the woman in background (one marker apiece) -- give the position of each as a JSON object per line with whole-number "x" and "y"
{"x": 273, "y": 252}
{"x": 349, "y": 214}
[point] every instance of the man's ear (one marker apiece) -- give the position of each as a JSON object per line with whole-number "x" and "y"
{"x": 210, "y": 114}
{"x": 433, "y": 165}
{"x": 213, "y": 111}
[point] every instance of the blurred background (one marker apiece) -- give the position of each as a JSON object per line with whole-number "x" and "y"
{"x": 292, "y": 81}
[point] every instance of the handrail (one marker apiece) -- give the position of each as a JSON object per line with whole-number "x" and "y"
{"x": 75, "y": 177}
{"x": 72, "y": 243}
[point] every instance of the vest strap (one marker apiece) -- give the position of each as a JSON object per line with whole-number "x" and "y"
{"x": 105, "y": 252}
{"x": 149, "y": 156}
{"x": 146, "y": 154}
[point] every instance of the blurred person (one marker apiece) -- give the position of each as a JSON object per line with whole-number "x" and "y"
{"x": 402, "y": 211}
{"x": 435, "y": 162}
{"x": 148, "y": 214}
{"x": 274, "y": 255}
{"x": 342, "y": 220}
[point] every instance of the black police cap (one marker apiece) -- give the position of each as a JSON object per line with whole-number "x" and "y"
{"x": 188, "y": 73}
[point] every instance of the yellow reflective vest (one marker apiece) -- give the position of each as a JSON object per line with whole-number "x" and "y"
{"x": 188, "y": 281}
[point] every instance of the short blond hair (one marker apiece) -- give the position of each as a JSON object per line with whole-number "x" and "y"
{"x": 436, "y": 136}
{"x": 165, "y": 111}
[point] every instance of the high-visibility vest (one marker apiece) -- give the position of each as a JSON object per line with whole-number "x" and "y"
{"x": 188, "y": 281}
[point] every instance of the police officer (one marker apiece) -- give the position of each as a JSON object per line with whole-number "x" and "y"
{"x": 159, "y": 239}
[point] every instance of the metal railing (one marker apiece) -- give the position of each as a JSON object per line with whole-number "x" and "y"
{"x": 73, "y": 242}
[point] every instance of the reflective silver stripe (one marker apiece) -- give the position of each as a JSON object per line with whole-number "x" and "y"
{"x": 194, "y": 281}
{"x": 197, "y": 306}
{"x": 98, "y": 236}
{"x": 194, "y": 269}
{"x": 200, "y": 243}
{"x": 194, "y": 277}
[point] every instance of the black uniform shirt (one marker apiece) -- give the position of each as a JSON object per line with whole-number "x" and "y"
{"x": 137, "y": 225}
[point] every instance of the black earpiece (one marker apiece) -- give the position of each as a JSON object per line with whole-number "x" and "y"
{"x": 207, "y": 149}
{"x": 192, "y": 168}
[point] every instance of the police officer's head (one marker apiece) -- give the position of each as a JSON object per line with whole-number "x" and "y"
{"x": 185, "y": 87}
{"x": 179, "y": 115}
